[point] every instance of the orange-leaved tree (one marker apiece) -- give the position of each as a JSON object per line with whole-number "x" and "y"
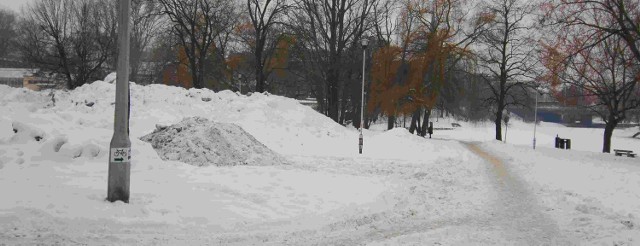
{"x": 385, "y": 94}
{"x": 408, "y": 78}
{"x": 443, "y": 44}
{"x": 280, "y": 55}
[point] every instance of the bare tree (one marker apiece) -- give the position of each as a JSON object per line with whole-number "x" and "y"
{"x": 326, "y": 30}
{"x": 67, "y": 37}
{"x": 506, "y": 55}
{"x": 597, "y": 20}
{"x": 203, "y": 28}
{"x": 264, "y": 16}
{"x": 7, "y": 30}
{"x": 163, "y": 52}
{"x": 146, "y": 23}
{"x": 607, "y": 76}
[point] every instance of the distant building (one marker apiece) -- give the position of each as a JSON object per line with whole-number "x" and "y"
{"x": 37, "y": 83}
{"x": 24, "y": 78}
{"x": 14, "y": 76}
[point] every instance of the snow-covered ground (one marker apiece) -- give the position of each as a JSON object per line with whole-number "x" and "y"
{"x": 521, "y": 134}
{"x": 458, "y": 188}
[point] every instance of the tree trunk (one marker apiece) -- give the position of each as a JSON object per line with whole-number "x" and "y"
{"x": 135, "y": 62}
{"x": 419, "y": 126}
{"x": 196, "y": 80}
{"x": 356, "y": 118}
{"x": 391, "y": 122}
{"x": 343, "y": 107}
{"x": 414, "y": 120}
{"x": 194, "y": 72}
{"x": 425, "y": 122}
{"x": 65, "y": 65}
{"x": 333, "y": 106}
{"x": 259, "y": 79}
{"x": 498, "y": 122}
{"x": 367, "y": 122}
{"x": 200, "y": 84}
{"x": 259, "y": 69}
{"x": 608, "y": 132}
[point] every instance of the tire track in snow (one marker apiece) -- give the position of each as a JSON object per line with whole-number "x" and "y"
{"x": 516, "y": 210}
{"x": 510, "y": 217}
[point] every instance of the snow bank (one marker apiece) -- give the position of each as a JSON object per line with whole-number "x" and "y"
{"x": 57, "y": 185}
{"x": 200, "y": 142}
{"x": 282, "y": 124}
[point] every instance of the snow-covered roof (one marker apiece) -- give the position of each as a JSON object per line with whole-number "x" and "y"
{"x": 16, "y": 72}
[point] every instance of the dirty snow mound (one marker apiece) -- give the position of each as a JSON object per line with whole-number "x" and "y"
{"x": 200, "y": 142}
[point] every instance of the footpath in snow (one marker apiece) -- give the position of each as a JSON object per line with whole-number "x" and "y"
{"x": 593, "y": 197}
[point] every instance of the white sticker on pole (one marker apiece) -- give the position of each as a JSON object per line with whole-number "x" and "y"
{"x": 121, "y": 155}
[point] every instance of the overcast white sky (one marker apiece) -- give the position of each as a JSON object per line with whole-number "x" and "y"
{"x": 13, "y": 4}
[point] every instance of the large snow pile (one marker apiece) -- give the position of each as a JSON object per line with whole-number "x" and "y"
{"x": 282, "y": 124}
{"x": 57, "y": 184}
{"x": 201, "y": 142}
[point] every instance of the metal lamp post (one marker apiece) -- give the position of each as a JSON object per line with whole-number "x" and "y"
{"x": 506, "y": 126}
{"x": 120, "y": 146}
{"x": 535, "y": 120}
{"x": 365, "y": 42}
{"x": 539, "y": 90}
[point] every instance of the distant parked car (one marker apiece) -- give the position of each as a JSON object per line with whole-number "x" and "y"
{"x": 455, "y": 124}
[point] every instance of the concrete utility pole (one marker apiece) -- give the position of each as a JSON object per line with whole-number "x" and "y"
{"x": 365, "y": 42}
{"x": 120, "y": 147}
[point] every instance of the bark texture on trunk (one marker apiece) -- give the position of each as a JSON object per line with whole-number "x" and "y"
{"x": 425, "y": 122}
{"x": 414, "y": 121}
{"x": 391, "y": 122}
{"x": 498, "y": 122}
{"x": 608, "y": 132}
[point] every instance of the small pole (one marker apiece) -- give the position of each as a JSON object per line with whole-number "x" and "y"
{"x": 365, "y": 41}
{"x": 120, "y": 146}
{"x": 535, "y": 121}
{"x": 506, "y": 126}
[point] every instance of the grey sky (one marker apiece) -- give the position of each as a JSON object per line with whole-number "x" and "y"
{"x": 13, "y": 4}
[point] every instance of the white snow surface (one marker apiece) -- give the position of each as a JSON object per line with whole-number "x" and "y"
{"x": 403, "y": 190}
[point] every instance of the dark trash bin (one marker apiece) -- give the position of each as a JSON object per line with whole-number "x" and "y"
{"x": 567, "y": 143}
